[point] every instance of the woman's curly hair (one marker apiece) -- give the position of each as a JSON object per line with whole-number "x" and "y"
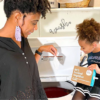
{"x": 89, "y": 30}
{"x": 26, "y": 6}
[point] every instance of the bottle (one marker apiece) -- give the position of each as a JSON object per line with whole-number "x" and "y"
{"x": 53, "y": 3}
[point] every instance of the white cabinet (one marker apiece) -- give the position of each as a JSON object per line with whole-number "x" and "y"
{"x": 62, "y": 21}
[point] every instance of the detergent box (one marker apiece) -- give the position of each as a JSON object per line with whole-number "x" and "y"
{"x": 83, "y": 75}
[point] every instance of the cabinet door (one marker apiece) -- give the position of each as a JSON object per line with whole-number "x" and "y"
{"x": 62, "y": 22}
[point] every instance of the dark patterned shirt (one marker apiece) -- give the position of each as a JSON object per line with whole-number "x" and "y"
{"x": 19, "y": 72}
{"x": 94, "y": 58}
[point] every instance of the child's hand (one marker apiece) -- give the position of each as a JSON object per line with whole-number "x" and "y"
{"x": 94, "y": 66}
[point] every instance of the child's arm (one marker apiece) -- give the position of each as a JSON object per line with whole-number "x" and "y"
{"x": 94, "y": 66}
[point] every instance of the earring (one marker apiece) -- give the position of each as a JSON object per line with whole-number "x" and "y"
{"x": 18, "y": 33}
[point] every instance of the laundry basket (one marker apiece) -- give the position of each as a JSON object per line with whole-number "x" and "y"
{"x": 55, "y": 92}
{"x": 58, "y": 89}
{"x": 83, "y": 3}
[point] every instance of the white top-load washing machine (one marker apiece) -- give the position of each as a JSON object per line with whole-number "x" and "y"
{"x": 57, "y": 70}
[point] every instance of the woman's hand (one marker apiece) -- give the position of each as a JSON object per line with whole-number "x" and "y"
{"x": 48, "y": 48}
{"x": 94, "y": 66}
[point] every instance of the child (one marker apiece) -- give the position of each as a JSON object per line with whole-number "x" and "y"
{"x": 88, "y": 33}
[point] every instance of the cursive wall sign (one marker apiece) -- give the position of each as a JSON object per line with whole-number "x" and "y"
{"x": 62, "y": 25}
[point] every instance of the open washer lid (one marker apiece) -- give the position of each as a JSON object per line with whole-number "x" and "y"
{"x": 60, "y": 68}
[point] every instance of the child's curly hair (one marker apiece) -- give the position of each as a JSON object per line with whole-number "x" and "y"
{"x": 26, "y": 6}
{"x": 89, "y": 30}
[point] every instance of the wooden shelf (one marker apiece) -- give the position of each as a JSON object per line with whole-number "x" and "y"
{"x": 75, "y": 9}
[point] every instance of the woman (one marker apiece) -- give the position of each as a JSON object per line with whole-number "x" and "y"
{"x": 18, "y": 66}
